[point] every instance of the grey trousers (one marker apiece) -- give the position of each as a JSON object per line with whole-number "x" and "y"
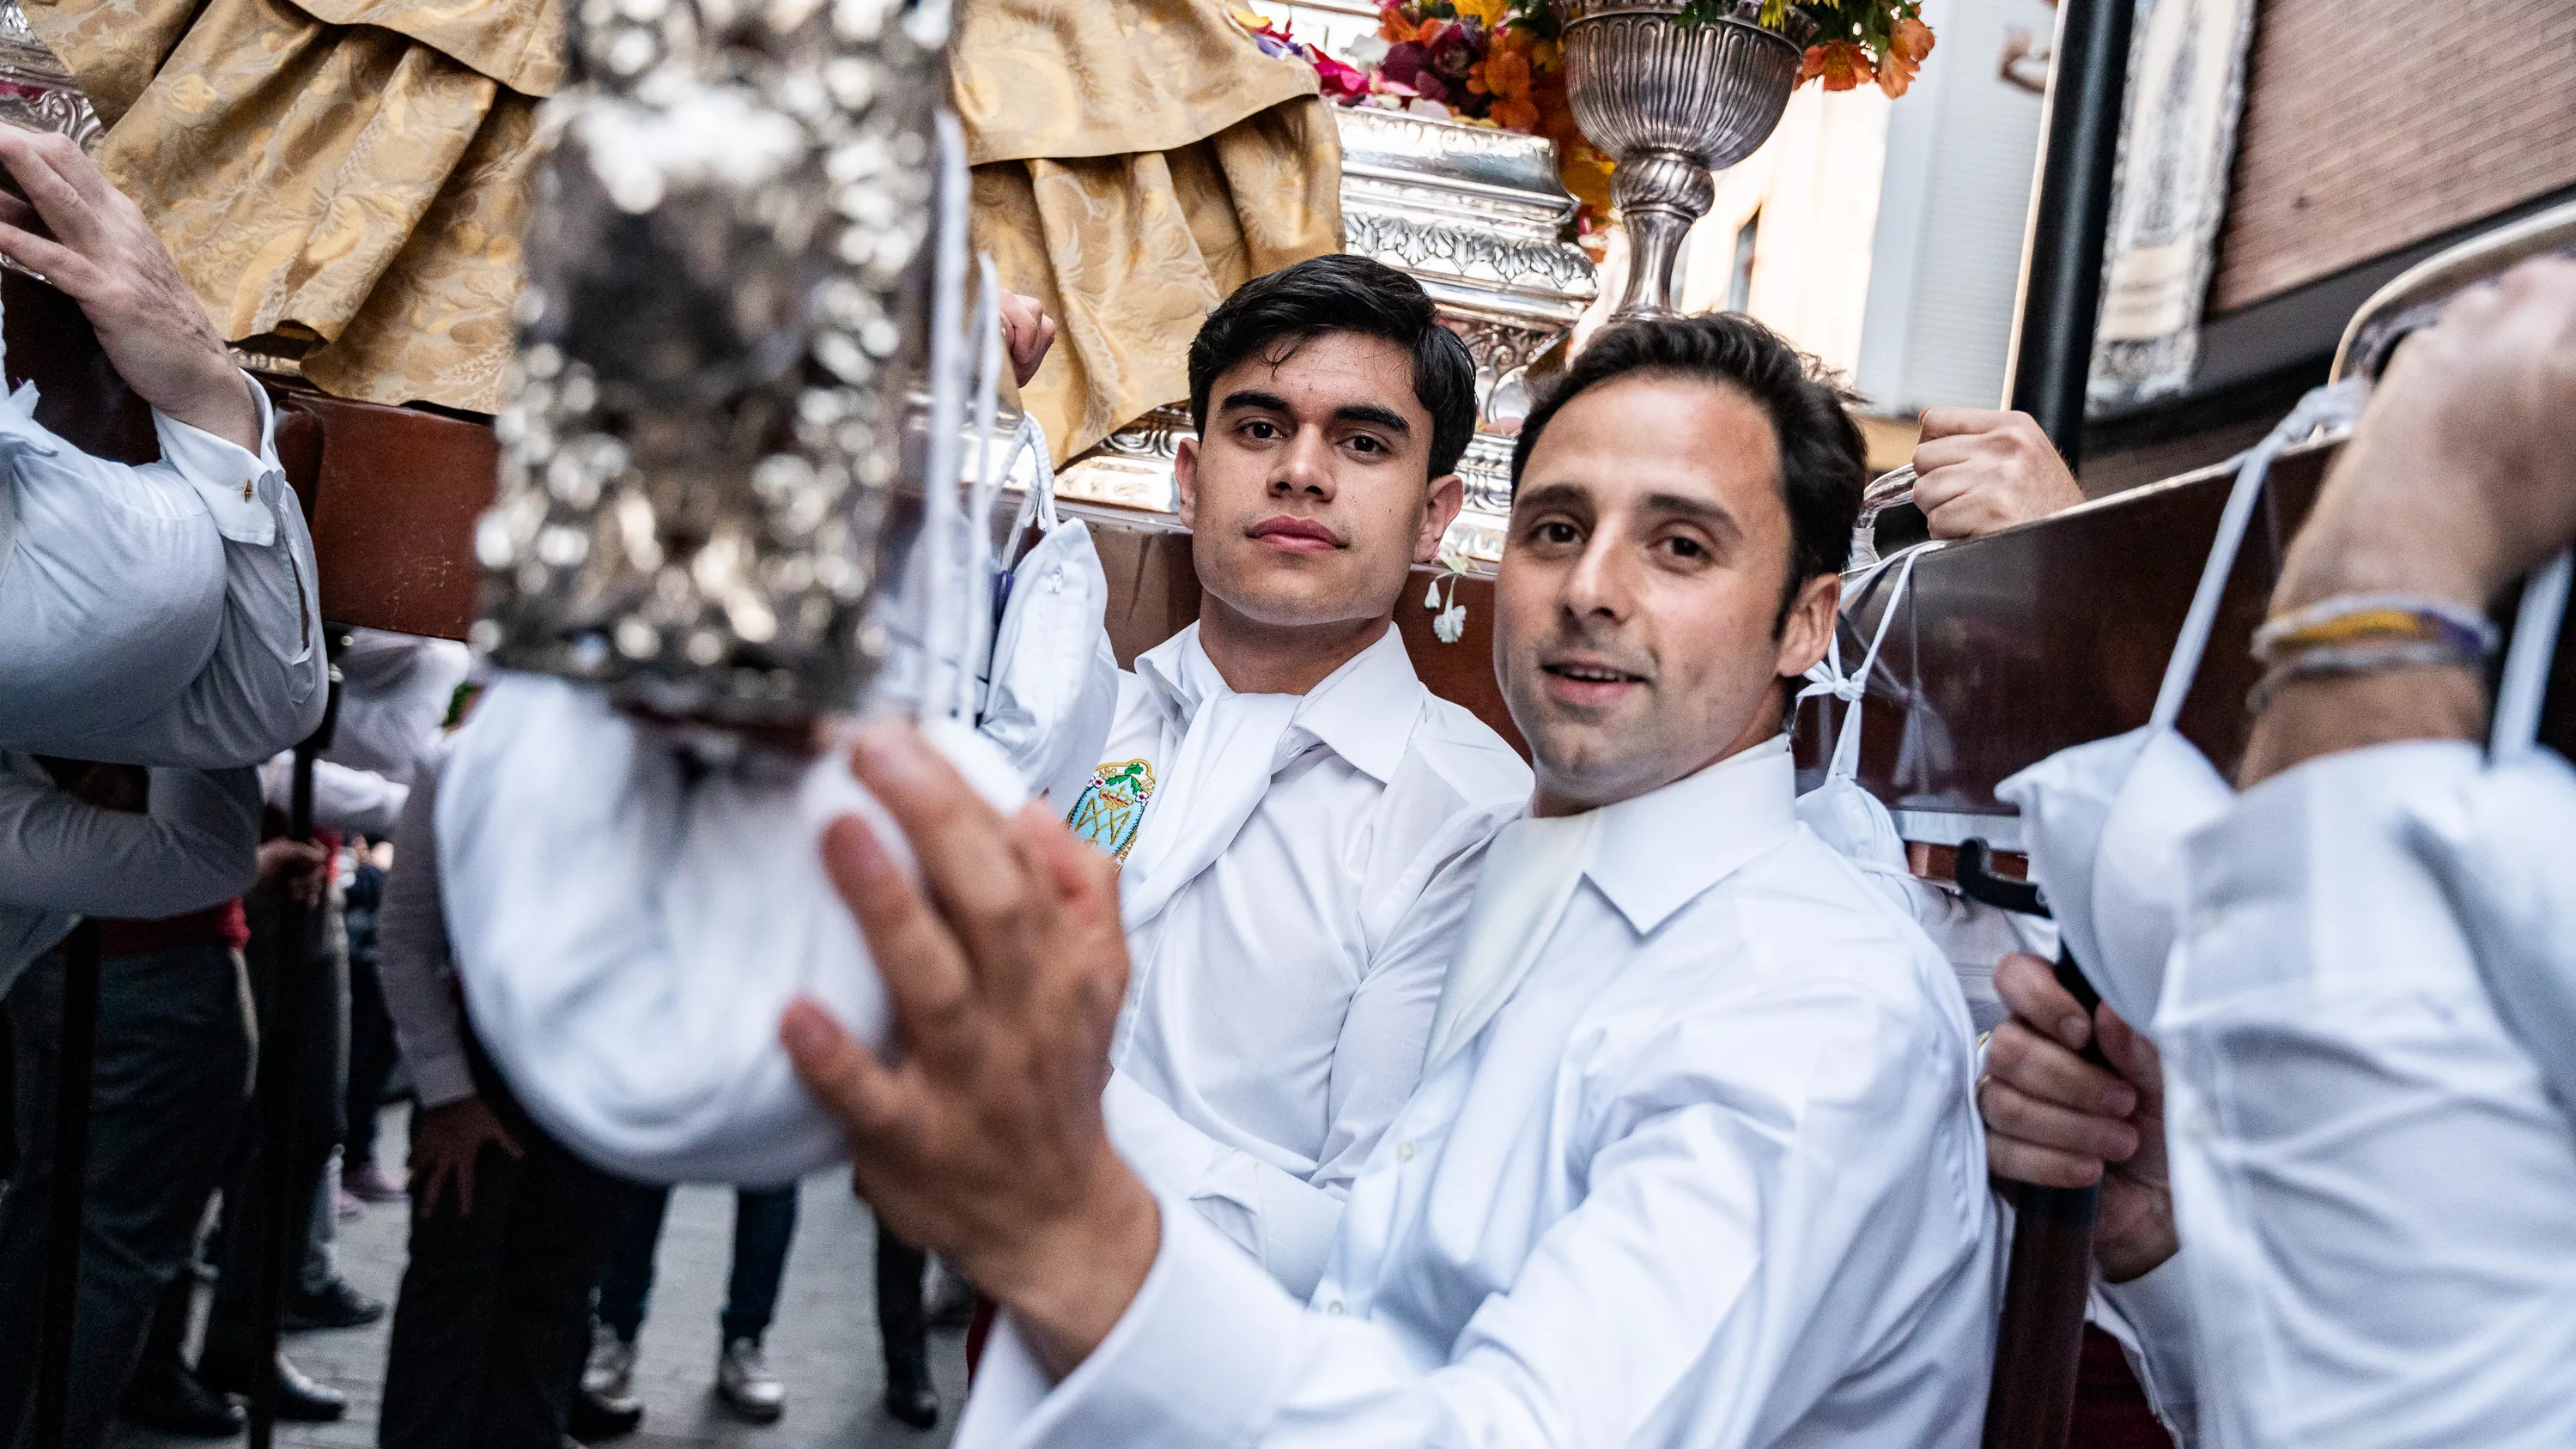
{"x": 171, "y": 1083}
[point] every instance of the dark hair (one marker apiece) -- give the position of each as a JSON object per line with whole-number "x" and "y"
{"x": 1822, "y": 457}
{"x": 1341, "y": 293}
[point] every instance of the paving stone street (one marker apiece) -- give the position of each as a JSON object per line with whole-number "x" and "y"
{"x": 824, "y": 1343}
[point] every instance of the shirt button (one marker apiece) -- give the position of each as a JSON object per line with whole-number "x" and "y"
{"x": 1333, "y": 1309}
{"x": 1404, "y": 1150}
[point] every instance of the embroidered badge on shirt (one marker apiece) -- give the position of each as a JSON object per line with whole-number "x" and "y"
{"x": 1110, "y": 808}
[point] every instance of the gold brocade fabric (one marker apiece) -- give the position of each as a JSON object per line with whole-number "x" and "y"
{"x": 348, "y": 171}
{"x": 1135, "y": 161}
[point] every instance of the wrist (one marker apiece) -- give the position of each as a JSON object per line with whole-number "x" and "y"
{"x": 1072, "y": 1279}
{"x": 221, "y": 403}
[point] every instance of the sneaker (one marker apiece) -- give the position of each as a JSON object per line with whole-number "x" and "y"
{"x": 744, "y": 1382}
{"x": 610, "y": 1373}
{"x": 337, "y": 1306}
{"x": 594, "y": 1420}
{"x": 373, "y": 1184}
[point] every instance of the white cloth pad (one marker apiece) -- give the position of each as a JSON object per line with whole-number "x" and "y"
{"x": 627, "y": 938}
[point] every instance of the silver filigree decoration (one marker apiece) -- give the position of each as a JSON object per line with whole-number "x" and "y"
{"x": 723, "y": 315}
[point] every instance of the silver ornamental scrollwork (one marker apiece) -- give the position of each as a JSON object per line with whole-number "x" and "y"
{"x": 723, "y": 316}
{"x": 1426, "y": 246}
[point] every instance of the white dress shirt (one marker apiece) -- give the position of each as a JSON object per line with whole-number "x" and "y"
{"x": 1710, "y": 1176}
{"x": 1293, "y": 895}
{"x": 2375, "y": 1186}
{"x": 195, "y": 844}
{"x": 157, "y": 615}
{"x": 411, "y": 948}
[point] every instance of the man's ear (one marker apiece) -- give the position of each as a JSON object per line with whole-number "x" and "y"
{"x": 1185, "y": 479}
{"x": 1810, "y": 626}
{"x": 1448, "y": 495}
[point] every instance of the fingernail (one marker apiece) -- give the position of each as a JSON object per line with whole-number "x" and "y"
{"x": 2124, "y": 1143}
{"x": 804, "y": 1030}
{"x": 891, "y": 748}
{"x": 2071, "y": 1030}
{"x": 2119, "y": 1100}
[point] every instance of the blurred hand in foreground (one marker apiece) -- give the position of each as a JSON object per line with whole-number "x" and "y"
{"x": 1004, "y": 965}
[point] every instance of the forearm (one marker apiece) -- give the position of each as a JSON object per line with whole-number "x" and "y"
{"x": 195, "y": 848}
{"x": 2329, "y": 714}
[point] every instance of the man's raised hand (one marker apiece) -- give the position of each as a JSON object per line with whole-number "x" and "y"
{"x": 2055, "y": 1119}
{"x": 1005, "y": 967}
{"x": 91, "y": 242}
{"x": 2462, "y": 473}
{"x": 1979, "y": 471}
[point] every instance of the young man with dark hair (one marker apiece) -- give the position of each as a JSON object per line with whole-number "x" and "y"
{"x": 1693, "y": 1160}
{"x": 1299, "y": 819}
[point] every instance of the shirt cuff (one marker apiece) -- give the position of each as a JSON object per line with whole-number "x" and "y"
{"x": 438, "y": 1080}
{"x": 2156, "y": 1309}
{"x": 1201, "y": 1356}
{"x": 240, "y": 487}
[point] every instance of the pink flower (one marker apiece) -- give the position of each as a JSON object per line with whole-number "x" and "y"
{"x": 1342, "y": 83}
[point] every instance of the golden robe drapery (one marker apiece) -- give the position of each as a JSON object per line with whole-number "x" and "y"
{"x": 350, "y": 174}
{"x": 1135, "y": 161}
{"x": 353, "y": 175}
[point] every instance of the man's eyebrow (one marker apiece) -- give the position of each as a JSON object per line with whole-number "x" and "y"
{"x": 1552, "y": 495}
{"x": 1255, "y": 399}
{"x": 1374, "y": 416}
{"x": 1710, "y": 515}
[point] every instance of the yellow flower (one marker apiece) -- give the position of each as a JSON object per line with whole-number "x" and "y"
{"x": 1491, "y": 12}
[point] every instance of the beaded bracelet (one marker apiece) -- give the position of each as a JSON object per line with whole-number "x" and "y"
{"x": 2367, "y": 657}
{"x": 2349, "y": 619}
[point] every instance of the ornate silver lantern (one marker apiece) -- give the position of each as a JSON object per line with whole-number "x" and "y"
{"x": 723, "y": 316}
{"x": 1479, "y": 218}
{"x": 1671, "y": 102}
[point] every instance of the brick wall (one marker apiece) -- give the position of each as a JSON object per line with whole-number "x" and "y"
{"x": 2367, "y": 127}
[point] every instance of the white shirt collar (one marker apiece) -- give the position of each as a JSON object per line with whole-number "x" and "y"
{"x": 1364, "y": 711}
{"x": 1660, "y": 850}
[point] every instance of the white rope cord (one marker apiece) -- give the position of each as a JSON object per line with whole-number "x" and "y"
{"x": 2516, "y": 729}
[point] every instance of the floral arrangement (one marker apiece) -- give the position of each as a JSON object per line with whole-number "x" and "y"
{"x": 1857, "y": 41}
{"x": 1501, "y": 63}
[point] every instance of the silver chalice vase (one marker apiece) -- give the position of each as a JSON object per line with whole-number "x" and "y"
{"x": 1671, "y": 100}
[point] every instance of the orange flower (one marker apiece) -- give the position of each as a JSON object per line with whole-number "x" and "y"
{"x": 1393, "y": 28}
{"x": 1514, "y": 115}
{"x": 1906, "y": 48}
{"x": 1841, "y": 64}
{"x": 1502, "y": 73}
{"x": 1911, "y": 39}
